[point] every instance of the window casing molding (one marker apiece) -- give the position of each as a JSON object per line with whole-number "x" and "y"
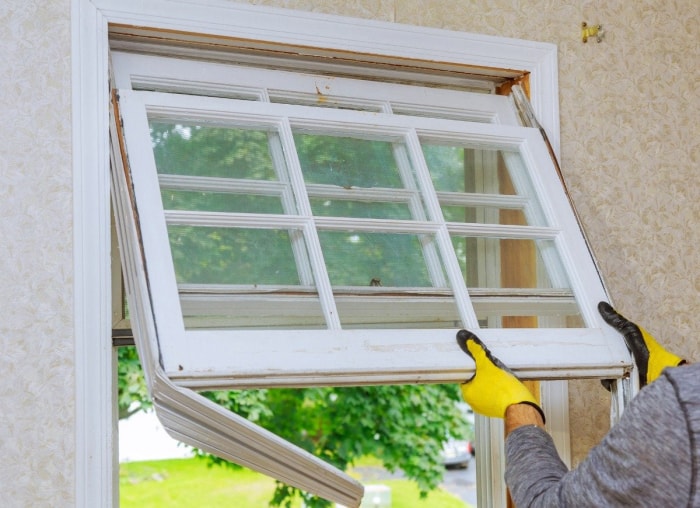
{"x": 96, "y": 466}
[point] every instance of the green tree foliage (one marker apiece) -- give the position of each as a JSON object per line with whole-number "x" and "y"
{"x": 132, "y": 393}
{"x": 404, "y": 426}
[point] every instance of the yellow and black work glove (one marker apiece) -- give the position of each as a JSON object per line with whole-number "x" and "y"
{"x": 493, "y": 387}
{"x": 650, "y": 357}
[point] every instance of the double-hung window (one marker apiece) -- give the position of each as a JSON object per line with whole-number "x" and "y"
{"x": 336, "y": 225}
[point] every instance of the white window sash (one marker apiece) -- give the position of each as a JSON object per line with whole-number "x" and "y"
{"x": 231, "y": 358}
{"x": 146, "y": 72}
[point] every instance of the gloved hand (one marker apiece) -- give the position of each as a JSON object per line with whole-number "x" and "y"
{"x": 493, "y": 387}
{"x": 650, "y": 357}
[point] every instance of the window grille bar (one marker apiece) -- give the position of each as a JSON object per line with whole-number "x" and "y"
{"x": 224, "y": 185}
{"x": 452, "y": 269}
{"x": 313, "y": 243}
{"x": 360, "y": 193}
{"x": 272, "y": 188}
{"x": 388, "y": 195}
{"x": 502, "y": 231}
{"x": 332, "y": 101}
{"x": 444, "y": 112}
{"x": 432, "y": 258}
{"x": 481, "y": 199}
{"x": 483, "y": 164}
{"x": 234, "y": 220}
{"x": 376, "y": 225}
{"x": 278, "y": 221}
{"x": 301, "y": 257}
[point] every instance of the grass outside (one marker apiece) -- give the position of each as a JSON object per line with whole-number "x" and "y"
{"x": 187, "y": 483}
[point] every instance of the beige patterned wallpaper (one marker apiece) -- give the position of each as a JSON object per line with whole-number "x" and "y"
{"x": 37, "y": 389}
{"x": 630, "y": 154}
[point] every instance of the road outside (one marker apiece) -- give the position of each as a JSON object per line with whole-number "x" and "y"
{"x": 462, "y": 483}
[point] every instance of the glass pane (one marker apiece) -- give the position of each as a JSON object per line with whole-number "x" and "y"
{"x": 208, "y": 255}
{"x": 394, "y": 311}
{"x": 220, "y": 202}
{"x": 262, "y": 277}
{"x": 375, "y": 259}
{"x": 347, "y": 162}
{"x": 477, "y": 173}
{"x": 509, "y": 263}
{"x": 452, "y": 168}
{"x": 483, "y": 215}
{"x": 351, "y": 177}
{"x": 265, "y": 309}
{"x": 543, "y": 318}
{"x": 218, "y": 169}
{"x": 384, "y": 281}
{"x": 517, "y": 283}
{"x": 198, "y": 150}
{"x": 242, "y": 279}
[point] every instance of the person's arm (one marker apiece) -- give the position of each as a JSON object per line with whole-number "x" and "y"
{"x": 645, "y": 460}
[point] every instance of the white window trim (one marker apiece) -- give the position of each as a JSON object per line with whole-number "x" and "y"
{"x": 96, "y": 460}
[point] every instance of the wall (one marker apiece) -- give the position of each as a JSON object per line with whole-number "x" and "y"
{"x": 629, "y": 154}
{"x": 36, "y": 261}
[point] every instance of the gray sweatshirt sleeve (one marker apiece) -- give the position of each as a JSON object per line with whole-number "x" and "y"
{"x": 645, "y": 460}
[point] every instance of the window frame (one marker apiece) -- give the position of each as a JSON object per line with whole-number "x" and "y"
{"x": 96, "y": 463}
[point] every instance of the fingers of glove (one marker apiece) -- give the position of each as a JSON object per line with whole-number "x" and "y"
{"x": 612, "y": 317}
{"x": 463, "y": 337}
{"x": 493, "y": 387}
{"x": 477, "y": 351}
{"x": 630, "y": 331}
{"x": 632, "y": 335}
{"x": 651, "y": 358}
{"x": 659, "y": 358}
